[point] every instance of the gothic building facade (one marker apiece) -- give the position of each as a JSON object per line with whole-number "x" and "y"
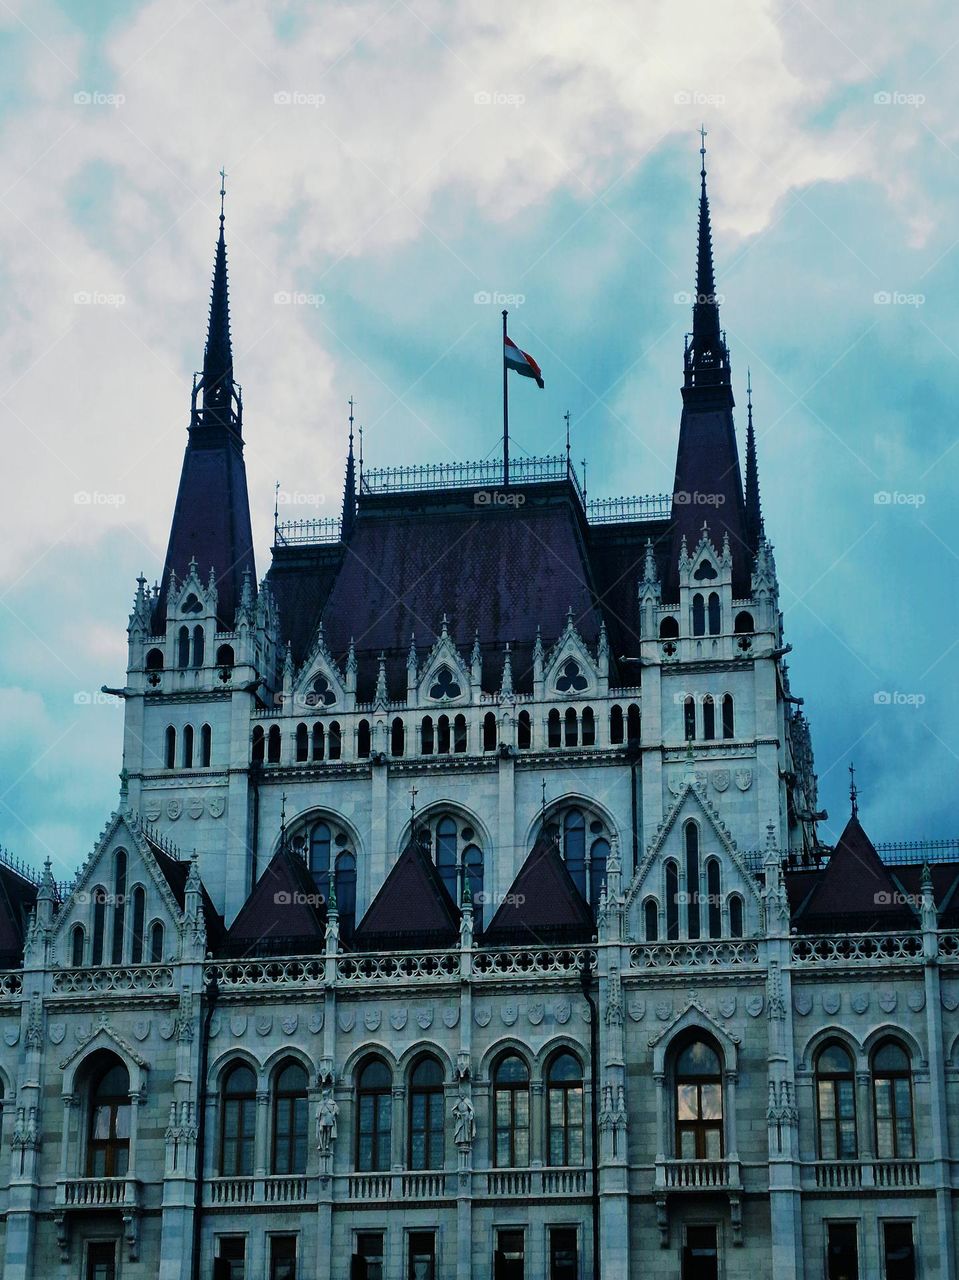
{"x": 508, "y": 946}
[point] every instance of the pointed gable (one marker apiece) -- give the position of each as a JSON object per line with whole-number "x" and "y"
{"x": 856, "y": 888}
{"x": 543, "y": 904}
{"x": 412, "y": 908}
{"x": 284, "y": 914}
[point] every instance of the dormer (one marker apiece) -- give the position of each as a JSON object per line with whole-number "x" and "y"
{"x": 445, "y": 679}
{"x": 706, "y": 594}
{"x": 320, "y": 687}
{"x": 571, "y": 673}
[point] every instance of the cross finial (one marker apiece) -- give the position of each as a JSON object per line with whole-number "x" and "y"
{"x": 413, "y": 794}
{"x": 543, "y": 784}
{"x": 351, "y": 419}
{"x": 702, "y": 150}
{"x": 283, "y": 813}
{"x": 222, "y": 192}
{"x": 853, "y": 792}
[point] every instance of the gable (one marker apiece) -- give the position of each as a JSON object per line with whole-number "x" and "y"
{"x": 542, "y": 905}
{"x": 285, "y": 912}
{"x": 856, "y": 882}
{"x": 412, "y": 908}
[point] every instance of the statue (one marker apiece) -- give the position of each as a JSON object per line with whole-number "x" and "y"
{"x": 326, "y": 1122}
{"x": 464, "y": 1122}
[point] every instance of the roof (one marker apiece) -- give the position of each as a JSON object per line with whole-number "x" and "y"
{"x": 17, "y": 898}
{"x": 412, "y": 909}
{"x": 285, "y": 912}
{"x": 176, "y": 872}
{"x": 855, "y": 888}
{"x": 542, "y": 905}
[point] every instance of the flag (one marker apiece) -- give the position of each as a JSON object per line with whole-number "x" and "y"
{"x": 521, "y": 362}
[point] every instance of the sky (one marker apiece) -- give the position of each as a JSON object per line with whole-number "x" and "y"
{"x": 393, "y": 170}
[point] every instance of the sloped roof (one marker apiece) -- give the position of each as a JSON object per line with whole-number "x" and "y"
{"x": 412, "y": 908}
{"x": 17, "y": 897}
{"x": 284, "y": 913}
{"x": 856, "y": 883}
{"x": 542, "y": 905}
{"x": 175, "y": 872}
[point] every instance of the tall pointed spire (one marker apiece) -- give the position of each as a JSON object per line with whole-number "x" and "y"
{"x": 707, "y": 359}
{"x": 349, "y": 488}
{"x": 754, "y": 515}
{"x": 217, "y": 377}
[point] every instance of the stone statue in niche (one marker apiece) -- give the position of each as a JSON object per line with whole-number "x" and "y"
{"x": 464, "y": 1122}
{"x": 326, "y": 1122}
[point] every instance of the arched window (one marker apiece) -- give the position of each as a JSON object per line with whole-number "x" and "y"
{"x": 473, "y": 869}
{"x": 108, "y": 1135}
{"x": 699, "y": 615}
{"x": 290, "y": 1120}
{"x": 302, "y": 743}
{"x": 714, "y": 901}
{"x": 617, "y": 730}
{"x": 119, "y": 905}
{"x": 589, "y": 727}
{"x": 154, "y": 660}
{"x": 564, "y": 1111}
{"x": 426, "y": 1115}
{"x": 206, "y": 746}
{"x": 188, "y": 746}
{"x": 553, "y": 729}
{"x": 318, "y": 743}
{"x": 574, "y": 848}
{"x": 511, "y": 1113}
{"x": 728, "y": 726}
{"x": 669, "y": 628}
{"x": 334, "y": 740}
{"x": 363, "y": 739}
{"x": 446, "y": 859}
{"x": 443, "y": 736}
{"x": 156, "y": 942}
{"x": 836, "y": 1104}
{"x": 524, "y": 731}
{"x": 689, "y": 719}
{"x": 374, "y": 1117}
{"x": 715, "y": 614}
{"x": 426, "y": 736}
{"x": 651, "y": 920}
{"x": 709, "y": 717}
{"x": 259, "y": 743}
{"x": 490, "y": 732}
{"x": 699, "y": 1103}
{"x": 273, "y": 744}
{"x": 198, "y": 645}
{"x": 238, "y": 1122}
{"x": 224, "y": 656}
{"x": 598, "y": 857}
{"x": 320, "y": 843}
{"x": 744, "y": 624}
{"x": 99, "y": 923}
{"x": 633, "y": 727}
{"x": 459, "y": 734}
{"x": 77, "y": 939}
{"x": 397, "y": 737}
{"x": 344, "y": 881}
{"x": 892, "y": 1102}
{"x": 169, "y": 752}
{"x": 735, "y": 916}
{"x": 693, "y": 919}
{"x": 672, "y": 900}
{"x": 183, "y": 647}
{"x": 139, "y": 917}
{"x": 570, "y": 728}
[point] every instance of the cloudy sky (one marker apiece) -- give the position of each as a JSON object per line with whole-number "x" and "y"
{"x": 389, "y": 162}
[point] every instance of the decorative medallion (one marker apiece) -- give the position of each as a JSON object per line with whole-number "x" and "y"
{"x": 482, "y": 1017}
{"x": 173, "y": 809}
{"x": 372, "y": 1019}
{"x": 398, "y": 1019}
{"x": 637, "y": 1010}
{"x": 152, "y": 810}
{"x": 195, "y": 807}
{"x": 424, "y": 1017}
{"x": 744, "y": 779}
{"x": 859, "y": 1001}
{"x": 346, "y": 1019}
{"x": 451, "y": 1016}
{"x": 509, "y": 1013}
{"x": 57, "y": 1031}
{"x": 264, "y": 1024}
{"x": 916, "y": 1000}
{"x": 11, "y": 1034}
{"x": 215, "y": 1025}
{"x": 536, "y": 1013}
{"x": 726, "y": 1006}
{"x": 315, "y": 1023}
{"x": 664, "y": 1010}
{"x": 82, "y": 1032}
{"x": 586, "y": 1012}
{"x": 721, "y": 779}
{"x": 217, "y": 806}
{"x": 238, "y": 1024}
{"x": 141, "y": 1028}
{"x": 289, "y": 1022}
{"x": 831, "y": 1002}
{"x": 802, "y": 1003}
{"x": 562, "y": 1011}
{"x": 676, "y": 784}
{"x": 887, "y": 1001}
{"x": 949, "y": 1000}
{"x": 754, "y": 1005}
{"x": 168, "y": 1028}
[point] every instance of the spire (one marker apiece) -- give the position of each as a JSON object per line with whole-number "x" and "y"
{"x": 349, "y": 488}
{"x": 853, "y": 793}
{"x": 218, "y": 356}
{"x": 707, "y": 359}
{"x": 754, "y": 515}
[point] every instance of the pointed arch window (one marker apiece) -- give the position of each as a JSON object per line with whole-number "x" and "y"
{"x": 290, "y": 1120}
{"x": 490, "y": 732}
{"x": 334, "y": 741}
{"x": 169, "y": 750}
{"x": 574, "y": 848}
{"x": 633, "y": 725}
{"x": 446, "y": 859}
{"x": 99, "y": 923}
{"x": 714, "y": 914}
{"x": 699, "y": 615}
{"x": 669, "y": 628}
{"x": 321, "y": 839}
{"x": 709, "y": 718}
{"x": 183, "y": 647}
{"x": 397, "y": 737}
{"x": 156, "y": 943}
{"x": 699, "y": 1103}
{"x": 426, "y": 736}
{"x": 589, "y": 727}
{"x": 259, "y": 745}
{"x": 616, "y": 727}
{"x": 651, "y": 920}
{"x": 154, "y": 660}
{"x": 426, "y": 1137}
{"x": 524, "y": 731}
{"x": 188, "y": 746}
{"x": 715, "y": 612}
{"x": 77, "y": 940}
{"x": 735, "y": 916}
{"x": 238, "y": 1122}
{"x": 119, "y": 905}
{"x": 206, "y": 746}
{"x": 443, "y": 735}
{"x": 459, "y": 734}
{"x": 554, "y": 729}
{"x": 318, "y": 741}
{"x": 363, "y": 739}
{"x": 473, "y": 870}
{"x": 511, "y": 1113}
{"x": 836, "y": 1104}
{"x": 598, "y": 859}
{"x": 139, "y": 915}
{"x": 744, "y": 624}
{"x": 108, "y": 1135}
{"x": 689, "y": 719}
{"x": 693, "y": 916}
{"x": 344, "y": 880}
{"x": 728, "y": 724}
{"x": 570, "y": 728}
{"x": 564, "y": 1110}
{"x": 671, "y": 873}
{"x": 374, "y": 1116}
{"x": 198, "y": 645}
{"x": 892, "y": 1102}
{"x": 274, "y": 744}
{"x": 302, "y": 743}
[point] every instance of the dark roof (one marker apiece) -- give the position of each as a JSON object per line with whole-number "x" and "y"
{"x": 175, "y": 872}
{"x": 542, "y": 905}
{"x": 856, "y": 889}
{"x": 17, "y": 898}
{"x": 412, "y": 908}
{"x": 285, "y": 912}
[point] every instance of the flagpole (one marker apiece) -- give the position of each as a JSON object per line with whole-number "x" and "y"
{"x": 505, "y": 410}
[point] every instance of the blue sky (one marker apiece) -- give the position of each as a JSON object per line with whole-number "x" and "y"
{"x": 389, "y": 161}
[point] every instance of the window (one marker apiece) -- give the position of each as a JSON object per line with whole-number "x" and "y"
{"x": 744, "y": 624}
{"x": 491, "y": 732}
{"x": 715, "y": 614}
{"x": 836, "y": 1100}
{"x": 119, "y": 905}
{"x": 302, "y": 743}
{"x": 564, "y": 1111}
{"x": 169, "y": 752}
{"x": 367, "y": 1262}
{"x": 426, "y": 1115}
{"x": 693, "y": 921}
{"x": 459, "y": 734}
{"x": 689, "y": 719}
{"x": 714, "y": 915}
{"x": 589, "y": 727}
{"x": 574, "y": 848}
{"x": 321, "y": 839}
{"x": 598, "y": 858}
{"x": 563, "y": 1254}
{"x": 651, "y": 920}
{"x": 282, "y": 1257}
{"x": 318, "y": 742}
{"x": 669, "y": 629}
{"x": 206, "y": 746}
{"x": 156, "y": 943}
{"x": 553, "y": 730}
{"x": 701, "y": 1253}
{"x": 344, "y": 883}
{"x": 443, "y": 736}
{"x": 183, "y": 647}
{"x": 842, "y": 1251}
{"x": 108, "y": 1141}
{"x": 510, "y": 1260}
{"x": 699, "y": 1103}
{"x": 699, "y": 615}
{"x": 473, "y": 870}
{"x": 728, "y": 726}
{"x": 672, "y": 900}
{"x": 188, "y": 746}
{"x": 334, "y": 741}
{"x": 259, "y": 743}
{"x": 570, "y": 728}
{"x": 633, "y": 725}
{"x": 238, "y": 1122}
{"x": 154, "y": 660}
{"x": 230, "y": 1262}
{"x": 363, "y": 739}
{"x": 99, "y": 923}
{"x": 446, "y": 859}
{"x": 422, "y": 1255}
{"x": 224, "y": 656}
{"x": 524, "y": 731}
{"x": 101, "y": 1260}
{"x": 397, "y": 737}
{"x": 426, "y": 736}
{"x": 139, "y": 914}
{"x": 511, "y": 1113}
{"x": 617, "y": 730}
{"x": 290, "y": 1120}
{"x": 899, "y": 1252}
{"x": 77, "y": 940}
{"x": 892, "y": 1100}
{"x": 709, "y": 718}
{"x": 273, "y": 744}
{"x": 735, "y": 916}
{"x": 198, "y": 643}
{"x": 374, "y": 1117}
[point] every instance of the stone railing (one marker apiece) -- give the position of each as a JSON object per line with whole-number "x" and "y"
{"x": 274, "y": 1189}
{"x": 697, "y": 1175}
{"x": 857, "y": 1175}
{"x": 239, "y": 974}
{"x": 949, "y": 945}
{"x": 511, "y": 1184}
{"x": 370, "y": 1186}
{"x": 11, "y": 984}
{"x": 98, "y": 1193}
{"x": 858, "y": 949}
{"x": 733, "y": 953}
{"x": 106, "y": 978}
{"x": 530, "y": 962}
{"x": 399, "y": 967}
{"x": 426, "y": 1185}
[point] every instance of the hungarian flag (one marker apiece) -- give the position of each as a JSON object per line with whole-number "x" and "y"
{"x": 522, "y": 362}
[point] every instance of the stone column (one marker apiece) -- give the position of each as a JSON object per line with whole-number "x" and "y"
{"x": 261, "y": 1152}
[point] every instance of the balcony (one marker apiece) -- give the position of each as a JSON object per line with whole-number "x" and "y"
{"x": 277, "y": 1189}
{"x": 863, "y": 1175}
{"x": 698, "y": 1175}
{"x": 512, "y": 1184}
{"x": 93, "y": 1195}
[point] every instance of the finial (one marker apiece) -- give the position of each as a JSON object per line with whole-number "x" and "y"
{"x": 853, "y": 792}
{"x": 702, "y": 152}
{"x": 283, "y": 814}
{"x": 222, "y": 194}
{"x": 749, "y": 390}
{"x": 583, "y": 461}
{"x": 276, "y": 509}
{"x": 543, "y": 785}
{"x": 413, "y": 794}
{"x": 566, "y": 420}
{"x": 351, "y": 419}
